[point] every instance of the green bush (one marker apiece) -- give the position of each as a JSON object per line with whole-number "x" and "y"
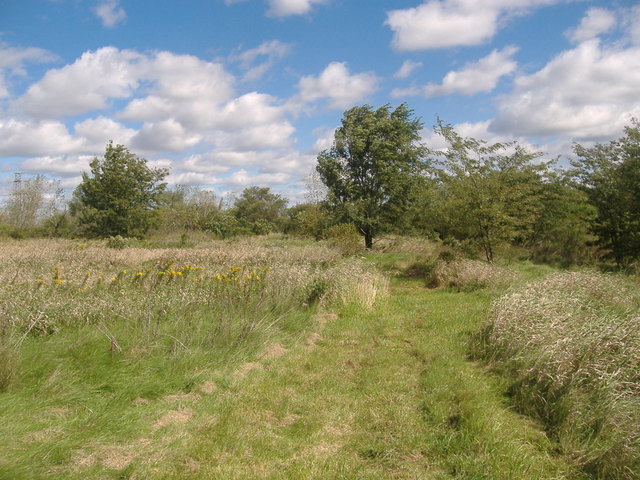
{"x": 345, "y": 237}
{"x": 118, "y": 242}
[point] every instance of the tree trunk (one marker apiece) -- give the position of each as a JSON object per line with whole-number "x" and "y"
{"x": 368, "y": 239}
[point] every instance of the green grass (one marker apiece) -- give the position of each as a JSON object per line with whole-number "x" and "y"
{"x": 384, "y": 393}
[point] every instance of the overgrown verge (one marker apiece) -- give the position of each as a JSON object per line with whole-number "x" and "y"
{"x": 571, "y": 345}
{"x": 167, "y": 301}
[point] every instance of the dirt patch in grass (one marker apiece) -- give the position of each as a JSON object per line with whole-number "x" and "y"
{"x": 246, "y": 368}
{"x": 208, "y": 387}
{"x": 174, "y": 417}
{"x": 43, "y": 435}
{"x": 313, "y": 339}
{"x": 273, "y": 351}
{"x": 114, "y": 457}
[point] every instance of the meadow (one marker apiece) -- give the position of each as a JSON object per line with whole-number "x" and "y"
{"x": 271, "y": 357}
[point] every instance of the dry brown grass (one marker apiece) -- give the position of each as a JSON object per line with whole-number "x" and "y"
{"x": 47, "y": 284}
{"x": 397, "y": 243}
{"x": 572, "y": 343}
{"x": 32, "y": 260}
{"x": 468, "y": 274}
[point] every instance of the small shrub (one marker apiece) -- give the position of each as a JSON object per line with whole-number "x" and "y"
{"x": 316, "y": 290}
{"x": 345, "y": 237}
{"x": 118, "y": 242}
{"x": 17, "y": 234}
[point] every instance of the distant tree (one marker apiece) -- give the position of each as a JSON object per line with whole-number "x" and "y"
{"x": 490, "y": 194}
{"x": 32, "y": 201}
{"x": 561, "y": 232}
{"x": 121, "y": 195}
{"x": 260, "y": 210}
{"x": 610, "y": 175}
{"x": 372, "y": 167}
{"x": 307, "y": 220}
{"x": 186, "y": 207}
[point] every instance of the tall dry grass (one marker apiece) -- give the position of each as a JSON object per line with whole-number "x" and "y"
{"x": 219, "y": 293}
{"x": 571, "y": 343}
{"x": 467, "y": 275}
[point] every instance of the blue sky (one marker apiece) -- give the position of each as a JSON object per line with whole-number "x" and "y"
{"x": 234, "y": 93}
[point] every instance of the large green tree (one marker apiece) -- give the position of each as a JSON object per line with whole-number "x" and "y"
{"x": 120, "y": 196}
{"x": 371, "y": 169}
{"x": 610, "y": 175}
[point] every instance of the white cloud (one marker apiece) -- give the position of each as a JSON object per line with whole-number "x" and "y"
{"x": 110, "y": 13}
{"x": 595, "y": 22}
{"x": 411, "y": 91}
{"x": 13, "y": 59}
{"x": 476, "y": 77}
{"x": 186, "y": 77}
{"x": 166, "y": 135}
{"x": 254, "y": 138}
{"x": 588, "y": 92}
{"x": 166, "y": 105}
{"x": 181, "y": 87}
{"x": 270, "y": 52}
{"x": 631, "y": 23}
{"x": 407, "y": 68}
{"x": 97, "y": 132}
{"x": 338, "y": 86}
{"x": 61, "y": 165}
{"x": 249, "y": 109}
{"x": 285, "y": 8}
{"x": 32, "y": 138}
{"x": 85, "y": 85}
{"x": 243, "y": 178}
{"x": 324, "y": 139}
{"x": 448, "y": 23}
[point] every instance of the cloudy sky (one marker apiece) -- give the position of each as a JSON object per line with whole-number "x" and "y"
{"x": 233, "y": 93}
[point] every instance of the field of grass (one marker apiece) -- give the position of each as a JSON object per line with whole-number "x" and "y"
{"x": 258, "y": 358}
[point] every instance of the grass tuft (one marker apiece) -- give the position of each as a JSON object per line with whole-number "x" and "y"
{"x": 468, "y": 275}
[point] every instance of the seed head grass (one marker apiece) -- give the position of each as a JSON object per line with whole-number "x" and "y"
{"x": 571, "y": 345}
{"x": 468, "y": 275}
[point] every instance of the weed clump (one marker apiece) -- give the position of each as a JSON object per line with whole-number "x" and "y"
{"x": 118, "y": 242}
{"x": 571, "y": 345}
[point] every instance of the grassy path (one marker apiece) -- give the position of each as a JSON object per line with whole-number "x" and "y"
{"x": 387, "y": 394}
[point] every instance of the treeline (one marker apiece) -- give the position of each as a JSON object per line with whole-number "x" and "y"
{"x": 377, "y": 178}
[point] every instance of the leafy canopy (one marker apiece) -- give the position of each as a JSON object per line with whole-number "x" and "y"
{"x": 369, "y": 172}
{"x": 491, "y": 192}
{"x": 610, "y": 175}
{"x": 120, "y": 196}
{"x": 260, "y": 210}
